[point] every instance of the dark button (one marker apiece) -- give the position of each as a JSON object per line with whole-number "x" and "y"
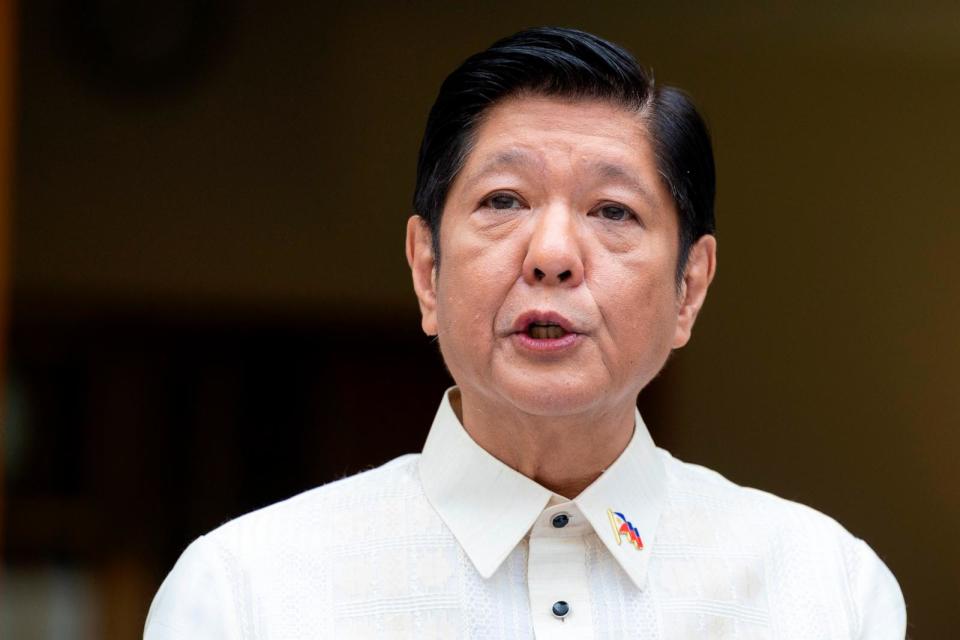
{"x": 560, "y": 520}
{"x": 561, "y": 609}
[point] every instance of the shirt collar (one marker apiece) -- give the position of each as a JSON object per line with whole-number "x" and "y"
{"x": 490, "y": 507}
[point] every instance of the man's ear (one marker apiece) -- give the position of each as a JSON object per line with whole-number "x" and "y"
{"x": 697, "y": 276}
{"x": 423, "y": 269}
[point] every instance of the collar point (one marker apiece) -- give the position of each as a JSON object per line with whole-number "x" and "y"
{"x": 486, "y": 569}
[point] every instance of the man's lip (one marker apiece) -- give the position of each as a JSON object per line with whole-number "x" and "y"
{"x": 524, "y": 320}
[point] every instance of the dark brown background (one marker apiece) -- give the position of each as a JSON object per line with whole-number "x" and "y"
{"x": 210, "y": 307}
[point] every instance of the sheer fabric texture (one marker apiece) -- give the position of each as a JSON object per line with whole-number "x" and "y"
{"x": 410, "y": 550}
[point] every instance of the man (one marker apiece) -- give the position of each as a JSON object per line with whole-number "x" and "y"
{"x": 563, "y": 246}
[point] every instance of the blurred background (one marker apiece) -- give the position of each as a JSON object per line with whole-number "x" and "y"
{"x": 207, "y": 307}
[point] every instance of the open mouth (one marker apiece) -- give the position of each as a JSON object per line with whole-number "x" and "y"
{"x": 545, "y": 331}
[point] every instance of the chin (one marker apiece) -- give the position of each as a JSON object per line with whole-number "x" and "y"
{"x": 554, "y": 398}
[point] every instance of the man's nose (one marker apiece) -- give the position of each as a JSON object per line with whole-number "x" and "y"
{"x": 554, "y": 253}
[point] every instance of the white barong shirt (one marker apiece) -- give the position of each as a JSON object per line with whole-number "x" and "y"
{"x": 452, "y": 543}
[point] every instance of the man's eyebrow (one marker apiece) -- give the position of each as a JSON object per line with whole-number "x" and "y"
{"x": 608, "y": 171}
{"x": 618, "y": 174}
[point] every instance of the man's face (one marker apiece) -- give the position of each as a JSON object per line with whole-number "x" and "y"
{"x": 557, "y": 292}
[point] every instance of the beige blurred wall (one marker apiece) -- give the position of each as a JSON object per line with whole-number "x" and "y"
{"x": 824, "y": 367}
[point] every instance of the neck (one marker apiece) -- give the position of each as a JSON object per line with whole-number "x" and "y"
{"x": 562, "y": 453}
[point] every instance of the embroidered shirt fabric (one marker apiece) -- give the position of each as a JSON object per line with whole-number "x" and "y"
{"x": 452, "y": 543}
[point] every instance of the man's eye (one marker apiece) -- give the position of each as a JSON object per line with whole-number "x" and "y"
{"x": 614, "y": 212}
{"x": 502, "y": 201}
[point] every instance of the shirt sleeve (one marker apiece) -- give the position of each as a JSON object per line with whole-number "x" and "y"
{"x": 882, "y": 611}
{"x": 195, "y": 600}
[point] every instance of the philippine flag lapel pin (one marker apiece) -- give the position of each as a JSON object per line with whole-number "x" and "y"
{"x": 622, "y": 528}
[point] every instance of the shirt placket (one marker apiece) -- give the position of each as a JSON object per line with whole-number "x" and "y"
{"x": 557, "y": 575}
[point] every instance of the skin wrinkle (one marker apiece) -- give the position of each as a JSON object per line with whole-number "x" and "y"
{"x": 559, "y": 419}
{"x": 611, "y": 173}
{"x": 642, "y": 111}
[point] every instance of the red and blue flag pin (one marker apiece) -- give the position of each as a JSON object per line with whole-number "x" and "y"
{"x": 623, "y": 528}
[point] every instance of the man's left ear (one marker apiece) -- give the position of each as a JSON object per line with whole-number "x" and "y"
{"x": 697, "y": 276}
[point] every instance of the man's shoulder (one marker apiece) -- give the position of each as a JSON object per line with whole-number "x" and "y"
{"x": 294, "y": 553}
{"x": 323, "y": 515}
{"x": 809, "y": 568}
{"x": 746, "y": 514}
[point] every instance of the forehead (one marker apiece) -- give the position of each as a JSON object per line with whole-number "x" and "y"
{"x": 576, "y": 141}
{"x": 580, "y": 128}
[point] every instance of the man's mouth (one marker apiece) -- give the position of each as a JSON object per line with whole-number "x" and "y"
{"x": 545, "y": 331}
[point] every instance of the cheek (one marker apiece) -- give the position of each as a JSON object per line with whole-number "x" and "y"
{"x": 479, "y": 270}
{"x": 472, "y": 286}
{"x": 639, "y": 304}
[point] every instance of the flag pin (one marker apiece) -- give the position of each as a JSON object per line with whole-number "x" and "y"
{"x": 623, "y": 528}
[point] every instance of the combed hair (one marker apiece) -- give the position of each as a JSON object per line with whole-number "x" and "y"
{"x": 567, "y": 63}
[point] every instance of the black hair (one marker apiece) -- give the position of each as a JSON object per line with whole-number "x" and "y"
{"x": 567, "y": 63}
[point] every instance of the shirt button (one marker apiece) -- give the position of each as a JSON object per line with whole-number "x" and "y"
{"x": 560, "y": 609}
{"x": 560, "y": 521}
